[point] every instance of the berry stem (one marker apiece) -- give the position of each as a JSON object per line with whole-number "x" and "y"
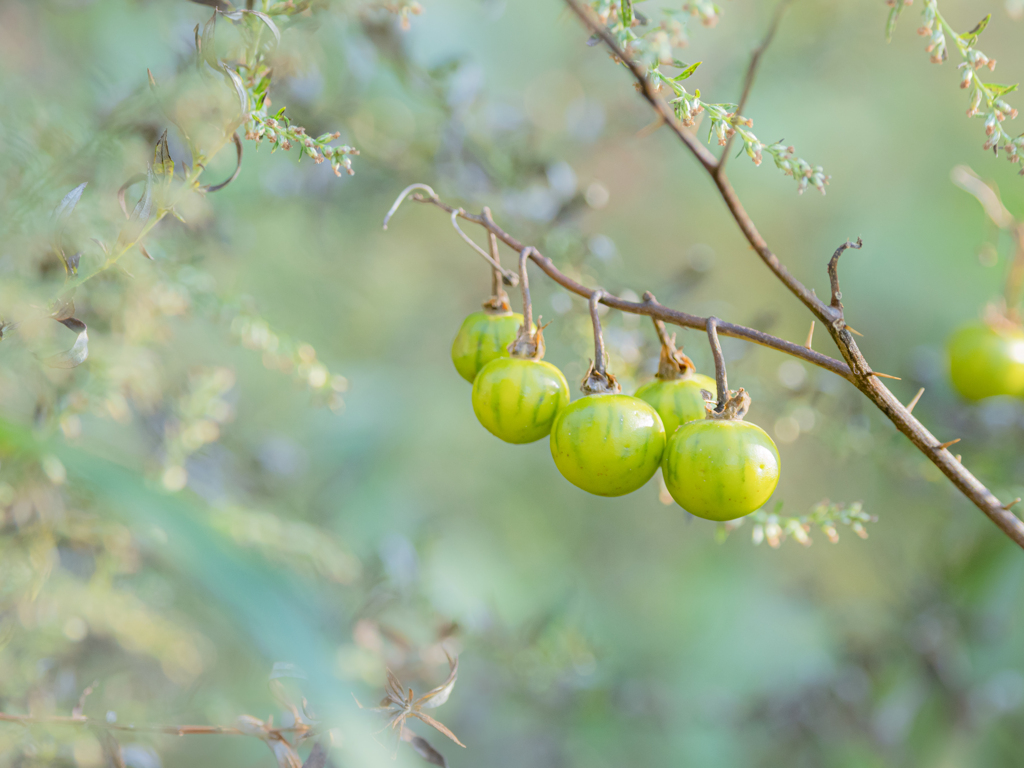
{"x": 524, "y": 284}
{"x": 599, "y": 353}
{"x": 721, "y": 380}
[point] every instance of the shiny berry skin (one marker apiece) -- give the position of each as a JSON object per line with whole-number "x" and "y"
{"x": 608, "y": 444}
{"x": 985, "y": 361}
{"x": 518, "y": 399}
{"x": 483, "y": 337}
{"x": 720, "y": 469}
{"x": 678, "y": 401}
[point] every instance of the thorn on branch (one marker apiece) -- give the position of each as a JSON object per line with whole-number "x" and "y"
{"x": 951, "y": 442}
{"x": 810, "y": 336}
{"x": 1008, "y": 505}
{"x": 853, "y": 330}
{"x": 833, "y": 273}
{"x": 913, "y": 403}
{"x": 884, "y": 375}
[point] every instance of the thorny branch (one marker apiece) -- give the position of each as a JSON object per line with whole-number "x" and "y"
{"x": 859, "y": 372}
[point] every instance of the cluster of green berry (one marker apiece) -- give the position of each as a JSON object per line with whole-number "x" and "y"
{"x": 715, "y": 465}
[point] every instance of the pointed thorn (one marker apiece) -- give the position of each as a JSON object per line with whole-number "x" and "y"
{"x": 885, "y": 376}
{"x": 910, "y": 406}
{"x": 649, "y": 129}
{"x": 152, "y": 80}
{"x": 958, "y": 458}
{"x": 854, "y": 331}
{"x": 1009, "y": 504}
{"x": 810, "y": 336}
{"x": 951, "y": 442}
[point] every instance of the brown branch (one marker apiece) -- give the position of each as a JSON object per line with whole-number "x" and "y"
{"x": 860, "y": 372}
{"x": 649, "y": 308}
{"x": 748, "y": 80}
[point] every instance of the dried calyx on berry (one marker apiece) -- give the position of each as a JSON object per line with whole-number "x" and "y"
{"x": 498, "y": 304}
{"x": 736, "y": 405}
{"x": 674, "y": 364}
{"x": 528, "y": 344}
{"x": 598, "y": 382}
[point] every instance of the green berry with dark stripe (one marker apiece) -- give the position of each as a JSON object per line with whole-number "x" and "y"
{"x": 518, "y": 399}
{"x": 484, "y": 336}
{"x": 721, "y": 469}
{"x": 678, "y": 401}
{"x": 608, "y": 444}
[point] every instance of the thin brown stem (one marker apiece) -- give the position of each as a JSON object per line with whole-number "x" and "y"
{"x": 748, "y": 80}
{"x": 497, "y": 291}
{"x": 524, "y": 285}
{"x": 659, "y": 325}
{"x": 721, "y": 380}
{"x": 595, "y": 319}
{"x": 509, "y": 277}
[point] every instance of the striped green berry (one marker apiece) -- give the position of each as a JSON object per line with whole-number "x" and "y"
{"x": 721, "y": 469}
{"x": 483, "y": 337}
{"x": 608, "y": 444}
{"x": 678, "y": 401}
{"x": 518, "y": 399}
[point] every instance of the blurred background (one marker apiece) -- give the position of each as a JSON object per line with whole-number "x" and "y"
{"x": 266, "y": 483}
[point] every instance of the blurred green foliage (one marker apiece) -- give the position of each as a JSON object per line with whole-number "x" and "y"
{"x": 268, "y": 457}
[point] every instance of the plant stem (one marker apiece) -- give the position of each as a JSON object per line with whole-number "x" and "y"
{"x": 721, "y": 380}
{"x": 595, "y": 319}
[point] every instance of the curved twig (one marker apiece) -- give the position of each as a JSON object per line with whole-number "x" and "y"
{"x": 833, "y": 273}
{"x": 510, "y": 278}
{"x": 401, "y": 199}
{"x": 238, "y": 167}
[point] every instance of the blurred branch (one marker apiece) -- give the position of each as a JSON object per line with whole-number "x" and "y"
{"x": 860, "y": 373}
{"x": 965, "y": 178}
{"x": 748, "y": 81}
